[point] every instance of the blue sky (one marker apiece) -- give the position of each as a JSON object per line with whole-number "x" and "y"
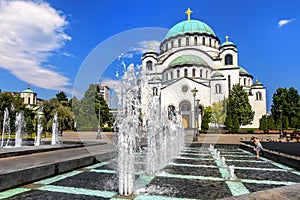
{"x": 47, "y": 43}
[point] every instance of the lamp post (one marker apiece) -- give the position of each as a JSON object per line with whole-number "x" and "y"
{"x": 195, "y": 138}
{"x": 281, "y": 134}
{"x": 99, "y": 125}
{"x": 198, "y": 120}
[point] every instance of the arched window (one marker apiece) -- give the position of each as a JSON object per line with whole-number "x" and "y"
{"x": 245, "y": 81}
{"x": 149, "y": 65}
{"x": 195, "y": 41}
{"x": 249, "y": 82}
{"x": 185, "y": 72}
{"x": 203, "y": 40}
{"x": 206, "y": 75}
{"x": 155, "y": 91}
{"x": 179, "y": 42}
{"x": 178, "y": 73}
{"x": 218, "y": 88}
{"x": 258, "y": 96}
{"x": 171, "y": 75}
{"x": 185, "y": 106}
{"x": 194, "y": 72}
{"x": 187, "y": 42}
{"x": 210, "y": 42}
{"x": 172, "y": 44}
{"x": 201, "y": 73}
{"x": 166, "y": 76}
{"x": 228, "y": 59}
{"x": 167, "y": 46}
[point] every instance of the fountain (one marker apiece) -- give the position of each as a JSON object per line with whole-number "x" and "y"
{"x": 55, "y": 139}
{"x": 231, "y": 172}
{"x": 37, "y": 141}
{"x": 223, "y": 162}
{"x": 19, "y": 128}
{"x": 143, "y": 129}
{"x": 5, "y": 125}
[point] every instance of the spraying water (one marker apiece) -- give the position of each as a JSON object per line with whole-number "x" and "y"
{"x": 138, "y": 121}
{"x": 55, "y": 140}
{"x": 37, "y": 141}
{"x": 5, "y": 125}
{"x": 19, "y": 128}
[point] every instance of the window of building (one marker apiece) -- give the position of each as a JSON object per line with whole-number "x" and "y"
{"x": 185, "y": 106}
{"x": 206, "y": 75}
{"x": 178, "y": 73}
{"x": 187, "y": 42}
{"x": 29, "y": 100}
{"x": 155, "y": 91}
{"x": 249, "y": 82}
{"x": 210, "y": 42}
{"x": 179, "y": 42}
{"x": 167, "y": 47}
{"x": 195, "y": 41}
{"x": 229, "y": 83}
{"x": 228, "y": 59}
{"x": 258, "y": 96}
{"x": 218, "y": 88}
{"x": 194, "y": 72}
{"x": 171, "y": 74}
{"x": 185, "y": 72}
{"x": 172, "y": 44}
{"x": 245, "y": 81}
{"x": 149, "y": 65}
{"x": 201, "y": 73}
{"x": 166, "y": 76}
{"x": 203, "y": 40}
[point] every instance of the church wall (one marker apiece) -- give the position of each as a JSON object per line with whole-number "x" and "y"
{"x": 234, "y": 57}
{"x": 258, "y": 106}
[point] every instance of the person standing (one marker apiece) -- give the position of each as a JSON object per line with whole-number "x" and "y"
{"x": 258, "y": 147}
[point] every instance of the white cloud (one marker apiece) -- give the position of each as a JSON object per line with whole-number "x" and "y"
{"x": 30, "y": 31}
{"x": 284, "y": 22}
{"x": 146, "y": 45}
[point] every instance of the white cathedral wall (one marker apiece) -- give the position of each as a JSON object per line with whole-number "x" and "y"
{"x": 234, "y": 57}
{"x": 258, "y": 106}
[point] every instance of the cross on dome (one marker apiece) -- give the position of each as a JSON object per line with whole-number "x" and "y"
{"x": 227, "y": 37}
{"x": 188, "y": 12}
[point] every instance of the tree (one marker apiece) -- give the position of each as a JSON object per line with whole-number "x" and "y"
{"x": 207, "y": 113}
{"x": 286, "y": 102}
{"x": 239, "y": 111}
{"x": 218, "y": 113}
{"x": 61, "y": 96}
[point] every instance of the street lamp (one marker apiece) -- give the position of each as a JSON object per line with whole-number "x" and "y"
{"x": 99, "y": 125}
{"x": 194, "y": 91}
{"x": 198, "y": 113}
{"x": 281, "y": 134}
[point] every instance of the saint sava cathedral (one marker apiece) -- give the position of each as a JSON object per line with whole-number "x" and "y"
{"x": 194, "y": 65}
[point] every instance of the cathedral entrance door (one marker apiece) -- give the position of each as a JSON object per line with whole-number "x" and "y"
{"x": 186, "y": 120}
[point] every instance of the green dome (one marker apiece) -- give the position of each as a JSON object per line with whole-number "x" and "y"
{"x": 189, "y": 26}
{"x": 217, "y": 74}
{"x": 243, "y": 71}
{"x": 187, "y": 59}
{"x": 27, "y": 91}
{"x": 228, "y": 43}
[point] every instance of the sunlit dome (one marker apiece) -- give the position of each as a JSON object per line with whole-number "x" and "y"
{"x": 189, "y": 26}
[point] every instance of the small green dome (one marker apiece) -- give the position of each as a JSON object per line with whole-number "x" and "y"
{"x": 27, "y": 91}
{"x": 187, "y": 59}
{"x": 189, "y": 26}
{"x": 227, "y": 42}
{"x": 243, "y": 71}
{"x": 217, "y": 74}
{"x": 257, "y": 83}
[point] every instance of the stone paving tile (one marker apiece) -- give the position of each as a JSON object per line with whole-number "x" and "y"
{"x": 195, "y": 162}
{"x": 45, "y": 195}
{"x": 184, "y": 188}
{"x": 252, "y": 164}
{"x": 90, "y": 180}
{"x": 267, "y": 175}
{"x": 194, "y": 171}
{"x": 252, "y": 187}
